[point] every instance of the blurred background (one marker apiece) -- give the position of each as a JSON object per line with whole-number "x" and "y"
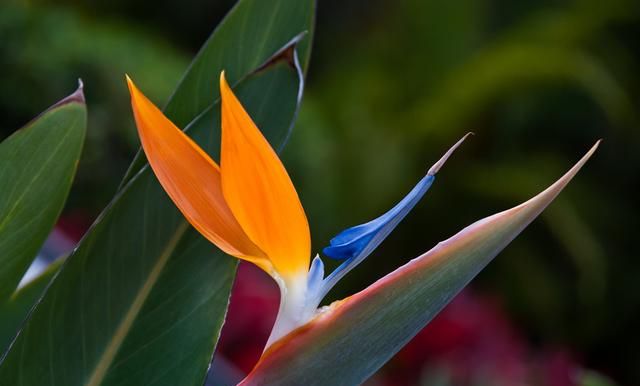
{"x": 390, "y": 87}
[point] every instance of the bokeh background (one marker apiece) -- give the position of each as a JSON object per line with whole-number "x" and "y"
{"x": 390, "y": 87}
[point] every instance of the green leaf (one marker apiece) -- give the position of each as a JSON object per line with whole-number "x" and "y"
{"x": 14, "y": 310}
{"x": 37, "y": 166}
{"x": 346, "y": 343}
{"x": 142, "y": 299}
{"x": 247, "y": 37}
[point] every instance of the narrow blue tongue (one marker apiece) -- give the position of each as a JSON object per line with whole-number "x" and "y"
{"x": 354, "y": 244}
{"x": 359, "y": 241}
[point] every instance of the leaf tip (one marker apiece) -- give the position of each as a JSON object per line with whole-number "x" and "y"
{"x": 76, "y": 97}
{"x": 285, "y": 54}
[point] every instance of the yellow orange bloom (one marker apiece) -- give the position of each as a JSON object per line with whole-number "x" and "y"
{"x": 248, "y": 207}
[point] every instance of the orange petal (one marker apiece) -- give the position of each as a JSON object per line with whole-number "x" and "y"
{"x": 192, "y": 180}
{"x": 259, "y": 191}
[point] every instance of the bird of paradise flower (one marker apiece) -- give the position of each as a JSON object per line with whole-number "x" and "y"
{"x": 249, "y": 208}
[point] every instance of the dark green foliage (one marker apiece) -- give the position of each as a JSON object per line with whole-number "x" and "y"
{"x": 142, "y": 286}
{"x": 37, "y": 165}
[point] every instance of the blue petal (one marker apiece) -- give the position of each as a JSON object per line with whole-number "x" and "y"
{"x": 356, "y": 243}
{"x": 353, "y": 245}
{"x": 352, "y": 242}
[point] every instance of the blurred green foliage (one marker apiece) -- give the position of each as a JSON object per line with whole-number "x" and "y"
{"x": 391, "y": 86}
{"x": 42, "y": 53}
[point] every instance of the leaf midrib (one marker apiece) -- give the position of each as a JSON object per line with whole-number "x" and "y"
{"x": 109, "y": 354}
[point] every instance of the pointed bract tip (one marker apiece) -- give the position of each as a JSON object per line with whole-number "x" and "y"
{"x": 592, "y": 150}
{"x": 436, "y": 167}
{"x": 539, "y": 202}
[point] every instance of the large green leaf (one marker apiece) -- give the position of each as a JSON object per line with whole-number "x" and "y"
{"x": 349, "y": 341}
{"x": 143, "y": 298}
{"x": 246, "y": 38}
{"x": 37, "y": 165}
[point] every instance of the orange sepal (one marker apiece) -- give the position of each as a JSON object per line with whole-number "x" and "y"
{"x": 259, "y": 191}
{"x": 192, "y": 180}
